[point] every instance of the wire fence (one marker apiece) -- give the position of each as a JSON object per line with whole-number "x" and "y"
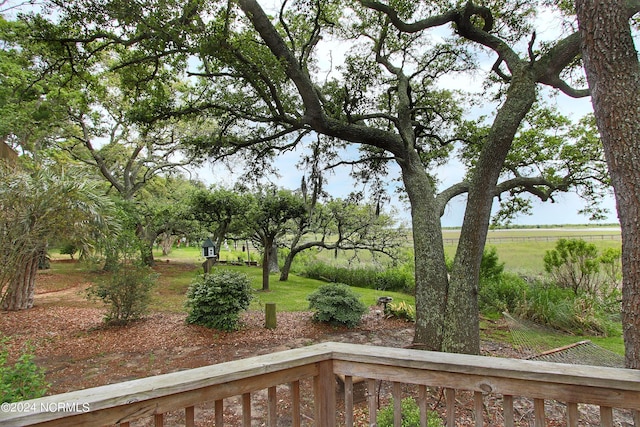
{"x": 547, "y": 238}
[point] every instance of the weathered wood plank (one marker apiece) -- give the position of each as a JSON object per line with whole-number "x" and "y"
{"x": 488, "y": 380}
{"x": 325, "y": 395}
{"x": 272, "y": 405}
{"x": 246, "y": 410}
{"x": 422, "y": 404}
{"x": 372, "y": 400}
{"x": 348, "y": 401}
{"x": 138, "y": 407}
{"x": 397, "y": 404}
{"x": 478, "y": 408}
{"x": 507, "y": 408}
{"x": 450, "y": 399}
{"x": 295, "y": 398}
{"x": 190, "y": 416}
{"x": 572, "y": 414}
{"x": 219, "y": 410}
{"x": 553, "y": 373}
{"x": 606, "y": 416}
{"x": 538, "y": 413}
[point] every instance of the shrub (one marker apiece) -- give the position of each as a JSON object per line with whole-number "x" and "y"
{"x": 410, "y": 415}
{"x": 401, "y": 310}
{"x": 337, "y": 304}
{"x": 573, "y": 264}
{"x": 561, "y": 309}
{"x": 399, "y": 279}
{"x": 127, "y": 292}
{"x": 490, "y": 267}
{"x": 395, "y": 279}
{"x": 504, "y": 293}
{"x": 215, "y": 300}
{"x": 21, "y": 381}
{"x": 69, "y": 249}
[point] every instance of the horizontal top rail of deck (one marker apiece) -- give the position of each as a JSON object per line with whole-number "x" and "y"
{"x": 111, "y": 404}
{"x": 614, "y": 387}
{"x": 130, "y": 400}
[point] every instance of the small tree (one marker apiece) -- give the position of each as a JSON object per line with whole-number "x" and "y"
{"x": 574, "y": 264}
{"x": 269, "y": 218}
{"x": 69, "y": 248}
{"x": 215, "y": 300}
{"x": 127, "y": 293}
{"x": 127, "y": 290}
{"x": 337, "y": 304}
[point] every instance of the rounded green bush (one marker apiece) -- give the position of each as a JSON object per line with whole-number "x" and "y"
{"x": 337, "y": 304}
{"x": 215, "y": 300}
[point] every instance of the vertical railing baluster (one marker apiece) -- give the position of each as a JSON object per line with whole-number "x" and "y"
{"x": 538, "y": 412}
{"x": 572, "y": 414}
{"x": 190, "y": 416}
{"x": 272, "y": 405}
{"x": 219, "y": 410}
{"x": 295, "y": 398}
{"x": 246, "y": 409}
{"x": 422, "y": 404}
{"x": 324, "y": 390}
{"x": 397, "y": 404}
{"x": 507, "y": 410}
{"x": 450, "y": 398}
{"x": 478, "y": 408}
{"x": 348, "y": 400}
{"x": 158, "y": 420}
{"x": 606, "y": 416}
{"x": 373, "y": 404}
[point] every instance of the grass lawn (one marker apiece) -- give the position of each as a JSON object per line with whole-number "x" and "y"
{"x": 292, "y": 294}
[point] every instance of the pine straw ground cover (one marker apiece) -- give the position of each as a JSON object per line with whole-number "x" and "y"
{"x": 78, "y": 351}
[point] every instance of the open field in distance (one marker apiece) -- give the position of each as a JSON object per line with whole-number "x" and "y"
{"x": 522, "y": 249}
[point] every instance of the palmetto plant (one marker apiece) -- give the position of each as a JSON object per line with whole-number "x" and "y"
{"x": 37, "y": 207}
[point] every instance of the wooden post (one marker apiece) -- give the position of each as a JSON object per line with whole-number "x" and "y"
{"x": 270, "y": 315}
{"x": 208, "y": 264}
{"x": 324, "y": 389}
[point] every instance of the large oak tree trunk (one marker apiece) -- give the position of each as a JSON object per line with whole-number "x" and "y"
{"x": 462, "y": 322}
{"x": 21, "y": 290}
{"x": 431, "y": 270}
{"x": 613, "y": 72}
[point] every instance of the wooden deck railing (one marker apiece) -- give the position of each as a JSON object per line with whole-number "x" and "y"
{"x": 319, "y": 364}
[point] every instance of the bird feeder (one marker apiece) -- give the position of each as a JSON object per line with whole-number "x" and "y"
{"x": 208, "y": 249}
